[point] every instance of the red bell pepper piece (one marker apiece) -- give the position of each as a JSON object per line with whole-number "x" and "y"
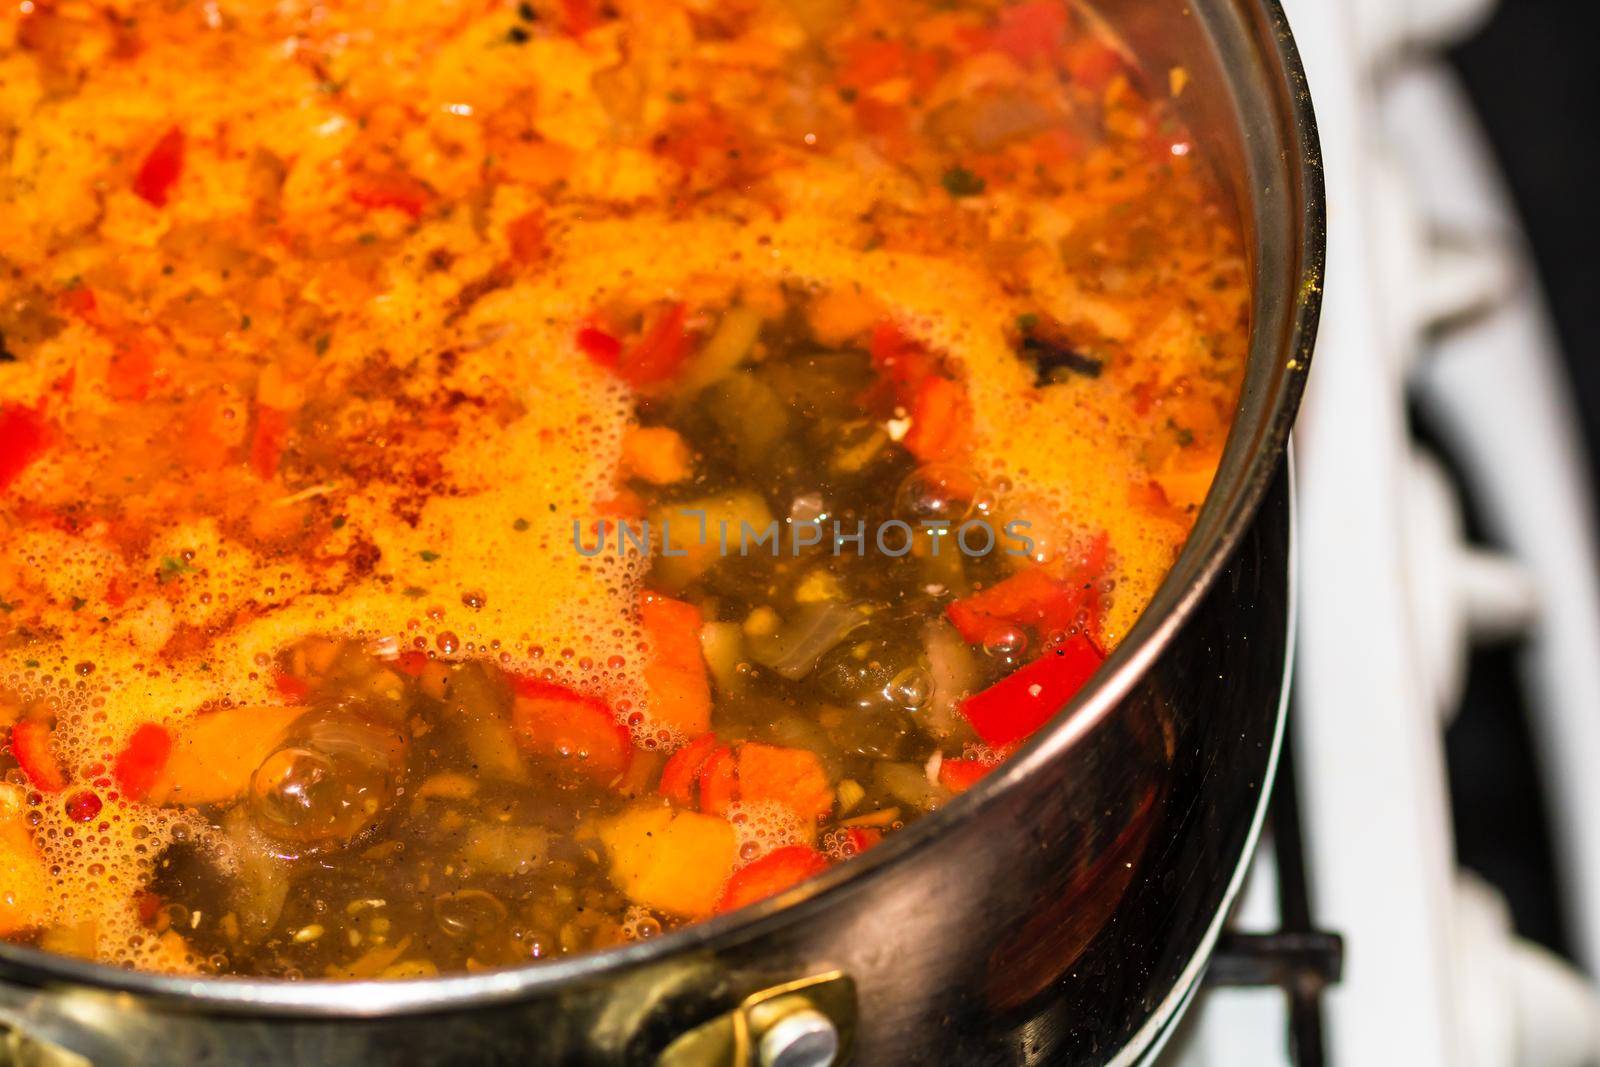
{"x": 1017, "y": 705}
{"x": 682, "y": 772}
{"x": 30, "y": 747}
{"x": 266, "y": 444}
{"x": 656, "y": 356}
{"x": 162, "y": 167}
{"x": 292, "y": 689}
{"x": 600, "y": 347}
{"x": 771, "y": 874}
{"x": 901, "y": 362}
{"x": 719, "y": 782}
{"x": 857, "y": 839}
{"x": 141, "y": 761}
{"x": 399, "y": 193}
{"x": 557, "y": 723}
{"x": 960, "y": 775}
{"x": 1030, "y": 598}
{"x": 23, "y": 437}
{"x": 941, "y": 421}
{"x": 412, "y": 664}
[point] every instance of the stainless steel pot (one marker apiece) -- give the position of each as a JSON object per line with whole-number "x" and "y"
{"x": 1060, "y": 912}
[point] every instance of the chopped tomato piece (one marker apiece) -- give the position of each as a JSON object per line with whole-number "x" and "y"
{"x": 719, "y": 782}
{"x": 770, "y": 875}
{"x": 941, "y": 421}
{"x": 23, "y": 437}
{"x": 960, "y": 775}
{"x": 266, "y": 446}
{"x": 162, "y": 167}
{"x": 142, "y": 760}
{"x": 657, "y": 355}
{"x": 1017, "y": 705}
{"x": 793, "y": 777}
{"x": 680, "y": 694}
{"x": 556, "y": 722}
{"x": 30, "y": 747}
{"x": 680, "y": 776}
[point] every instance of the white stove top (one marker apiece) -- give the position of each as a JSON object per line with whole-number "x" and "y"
{"x": 1429, "y": 298}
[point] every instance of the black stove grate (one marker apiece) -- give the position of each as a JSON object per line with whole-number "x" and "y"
{"x": 1298, "y": 958}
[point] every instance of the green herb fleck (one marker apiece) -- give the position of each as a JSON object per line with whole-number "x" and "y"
{"x": 526, "y": 13}
{"x": 339, "y": 521}
{"x": 517, "y": 35}
{"x": 414, "y": 591}
{"x": 7, "y": 607}
{"x": 30, "y": 663}
{"x": 172, "y": 567}
{"x": 959, "y": 181}
{"x": 1027, "y": 322}
{"x": 244, "y": 322}
{"x": 520, "y": 525}
{"x": 78, "y": 602}
{"x": 321, "y": 344}
{"x": 428, "y": 555}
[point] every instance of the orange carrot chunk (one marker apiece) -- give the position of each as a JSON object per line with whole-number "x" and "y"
{"x": 554, "y": 722}
{"x": 941, "y": 421}
{"x": 790, "y": 776}
{"x": 719, "y": 782}
{"x": 680, "y": 694}
{"x": 770, "y": 875}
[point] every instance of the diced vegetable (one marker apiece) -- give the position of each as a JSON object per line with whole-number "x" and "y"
{"x": 960, "y": 775}
{"x": 771, "y": 875}
{"x": 680, "y": 696}
{"x": 1017, "y": 705}
{"x": 23, "y": 436}
{"x": 908, "y": 783}
{"x": 142, "y": 760}
{"x": 383, "y": 192}
{"x": 656, "y": 454}
{"x": 941, "y": 421}
{"x": 656, "y": 356}
{"x": 793, "y": 651}
{"x": 1032, "y": 32}
{"x": 900, "y": 361}
{"x": 579, "y": 731}
{"x": 793, "y": 777}
{"x": 723, "y": 351}
{"x": 841, "y": 315}
{"x": 675, "y": 861}
{"x": 719, "y": 781}
{"x": 680, "y": 778}
{"x": 601, "y": 347}
{"x": 30, "y": 747}
{"x": 480, "y": 708}
{"x": 737, "y": 509}
{"x": 722, "y": 645}
{"x": 162, "y": 167}
{"x": 1030, "y": 598}
{"x": 526, "y": 235}
{"x": 751, "y": 416}
{"x": 266, "y": 444}
{"x": 213, "y": 757}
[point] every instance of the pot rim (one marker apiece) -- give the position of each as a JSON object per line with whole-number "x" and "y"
{"x": 1168, "y": 611}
